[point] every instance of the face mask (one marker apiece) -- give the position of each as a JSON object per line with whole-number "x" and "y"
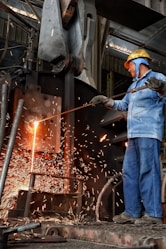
{"x": 137, "y": 63}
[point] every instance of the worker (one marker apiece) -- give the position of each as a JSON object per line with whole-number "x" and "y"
{"x": 145, "y": 127}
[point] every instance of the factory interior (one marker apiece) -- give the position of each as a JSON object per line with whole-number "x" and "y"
{"x": 60, "y": 157}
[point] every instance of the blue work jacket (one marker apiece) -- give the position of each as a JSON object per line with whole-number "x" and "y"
{"x": 145, "y": 109}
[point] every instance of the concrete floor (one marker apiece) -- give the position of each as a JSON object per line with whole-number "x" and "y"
{"x": 97, "y": 235}
{"x": 69, "y": 244}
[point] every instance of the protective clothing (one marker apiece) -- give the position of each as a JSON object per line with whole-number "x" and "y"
{"x": 142, "y": 120}
{"x": 141, "y": 165}
{"x": 145, "y": 128}
{"x": 156, "y": 85}
{"x": 142, "y": 177}
{"x": 138, "y": 62}
{"x": 101, "y": 99}
{"x": 139, "y": 53}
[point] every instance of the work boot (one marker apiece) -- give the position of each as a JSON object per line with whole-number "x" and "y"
{"x": 124, "y": 218}
{"x": 149, "y": 220}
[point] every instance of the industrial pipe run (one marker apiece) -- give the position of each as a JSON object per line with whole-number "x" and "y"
{"x": 3, "y": 113}
{"x": 10, "y": 145}
{"x": 5, "y": 232}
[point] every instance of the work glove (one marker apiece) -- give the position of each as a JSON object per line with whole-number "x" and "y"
{"x": 101, "y": 99}
{"x": 156, "y": 85}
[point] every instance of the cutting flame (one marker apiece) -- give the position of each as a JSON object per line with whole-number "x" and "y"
{"x": 36, "y": 123}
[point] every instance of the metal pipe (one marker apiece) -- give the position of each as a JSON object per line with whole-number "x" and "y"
{"x": 3, "y": 114}
{"x": 22, "y": 228}
{"x": 99, "y": 198}
{"x": 6, "y": 232}
{"x": 10, "y": 145}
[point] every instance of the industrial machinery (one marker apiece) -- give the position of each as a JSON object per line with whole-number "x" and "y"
{"x": 76, "y": 149}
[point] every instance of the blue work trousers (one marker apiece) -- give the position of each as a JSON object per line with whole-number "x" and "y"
{"x": 142, "y": 177}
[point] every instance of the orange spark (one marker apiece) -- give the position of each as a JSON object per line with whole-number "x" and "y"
{"x": 103, "y": 138}
{"x": 126, "y": 144}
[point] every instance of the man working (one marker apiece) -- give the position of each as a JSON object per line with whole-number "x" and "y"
{"x": 145, "y": 126}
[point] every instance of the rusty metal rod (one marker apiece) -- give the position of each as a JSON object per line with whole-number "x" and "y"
{"x": 3, "y": 114}
{"x": 6, "y": 232}
{"x": 66, "y": 112}
{"x": 131, "y": 91}
{"x": 89, "y": 104}
{"x": 22, "y": 228}
{"x": 10, "y": 145}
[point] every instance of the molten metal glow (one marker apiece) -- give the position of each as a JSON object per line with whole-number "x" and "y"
{"x": 22, "y": 187}
{"x": 36, "y": 123}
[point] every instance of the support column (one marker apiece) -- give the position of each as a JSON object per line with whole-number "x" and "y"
{"x": 102, "y": 30}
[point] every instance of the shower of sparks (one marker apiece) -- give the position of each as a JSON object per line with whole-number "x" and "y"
{"x": 90, "y": 166}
